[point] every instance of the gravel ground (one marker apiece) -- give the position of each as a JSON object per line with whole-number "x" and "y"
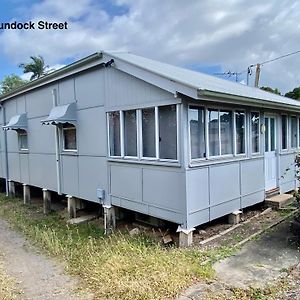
{"x": 37, "y": 276}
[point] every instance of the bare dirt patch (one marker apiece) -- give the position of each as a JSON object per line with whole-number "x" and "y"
{"x": 36, "y": 275}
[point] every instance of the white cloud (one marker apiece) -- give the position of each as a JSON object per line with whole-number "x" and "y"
{"x": 233, "y": 33}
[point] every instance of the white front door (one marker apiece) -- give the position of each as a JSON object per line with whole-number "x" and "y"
{"x": 270, "y": 153}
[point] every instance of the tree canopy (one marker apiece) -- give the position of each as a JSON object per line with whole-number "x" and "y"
{"x": 10, "y": 83}
{"x": 37, "y": 67}
{"x": 271, "y": 90}
{"x": 294, "y": 94}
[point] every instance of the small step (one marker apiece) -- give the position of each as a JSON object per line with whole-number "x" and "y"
{"x": 279, "y": 201}
{"x": 82, "y": 219}
{"x": 273, "y": 192}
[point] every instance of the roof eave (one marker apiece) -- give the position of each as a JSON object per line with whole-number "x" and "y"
{"x": 231, "y": 99}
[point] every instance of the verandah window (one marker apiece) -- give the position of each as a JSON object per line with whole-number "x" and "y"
{"x": 294, "y": 134}
{"x": 284, "y": 130}
{"x": 255, "y": 132}
{"x": 158, "y": 133}
{"x": 220, "y": 132}
{"x": 221, "y": 135}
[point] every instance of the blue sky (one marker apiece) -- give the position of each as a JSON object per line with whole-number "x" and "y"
{"x": 211, "y": 36}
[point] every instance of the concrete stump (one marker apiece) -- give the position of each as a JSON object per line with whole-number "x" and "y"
{"x": 11, "y": 188}
{"x": 72, "y": 208}
{"x": 26, "y": 193}
{"x": 234, "y": 217}
{"x": 47, "y": 201}
{"x": 185, "y": 237}
{"x": 109, "y": 219}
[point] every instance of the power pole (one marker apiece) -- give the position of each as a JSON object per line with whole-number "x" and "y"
{"x": 257, "y": 73}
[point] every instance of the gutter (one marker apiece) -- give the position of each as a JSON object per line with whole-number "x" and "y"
{"x": 210, "y": 95}
{"x": 5, "y": 150}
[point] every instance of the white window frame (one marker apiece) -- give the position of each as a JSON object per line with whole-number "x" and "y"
{"x": 250, "y": 132}
{"x": 63, "y": 130}
{"x": 287, "y": 133}
{"x": 139, "y": 156}
{"x": 109, "y": 133}
{"x": 245, "y": 133}
{"x": 20, "y": 135}
{"x": 156, "y": 132}
{"x": 297, "y": 132}
{"x": 206, "y": 109}
{"x": 123, "y": 135}
{"x": 205, "y": 134}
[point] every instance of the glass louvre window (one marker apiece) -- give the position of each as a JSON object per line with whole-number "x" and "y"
{"x": 284, "y": 135}
{"x": 197, "y": 132}
{"x": 69, "y": 137}
{"x": 294, "y": 136}
{"x": 226, "y": 132}
{"x": 272, "y": 134}
{"x": 130, "y": 133}
{"x": 167, "y": 132}
{"x": 23, "y": 140}
{"x": 213, "y": 132}
{"x": 255, "y": 132}
{"x": 114, "y": 133}
{"x": 267, "y": 134}
{"x": 148, "y": 132}
{"x": 240, "y": 132}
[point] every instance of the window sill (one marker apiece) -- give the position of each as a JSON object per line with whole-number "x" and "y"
{"x": 145, "y": 162}
{"x": 23, "y": 151}
{"x": 221, "y": 160}
{"x": 71, "y": 152}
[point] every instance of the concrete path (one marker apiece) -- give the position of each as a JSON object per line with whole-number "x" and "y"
{"x": 258, "y": 263}
{"x": 37, "y": 276}
{"x": 261, "y": 261}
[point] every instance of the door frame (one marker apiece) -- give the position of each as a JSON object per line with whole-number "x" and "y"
{"x": 276, "y": 144}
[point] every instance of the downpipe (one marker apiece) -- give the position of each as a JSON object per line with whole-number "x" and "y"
{"x": 57, "y": 157}
{"x": 5, "y": 150}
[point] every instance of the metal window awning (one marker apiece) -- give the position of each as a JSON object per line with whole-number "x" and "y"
{"x": 18, "y": 122}
{"x": 61, "y": 115}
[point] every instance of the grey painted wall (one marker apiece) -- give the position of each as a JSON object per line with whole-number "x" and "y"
{"x": 179, "y": 193}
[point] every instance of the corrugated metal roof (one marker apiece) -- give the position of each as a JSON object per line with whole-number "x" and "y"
{"x": 201, "y": 81}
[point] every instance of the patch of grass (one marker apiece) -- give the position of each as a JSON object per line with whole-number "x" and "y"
{"x": 117, "y": 266}
{"x": 8, "y": 290}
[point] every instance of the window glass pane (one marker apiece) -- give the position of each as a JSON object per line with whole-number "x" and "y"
{"x": 267, "y": 124}
{"x": 272, "y": 133}
{"x": 167, "y": 132}
{"x": 226, "y": 132}
{"x": 130, "y": 133}
{"x": 197, "y": 132}
{"x": 148, "y": 132}
{"x": 213, "y": 132}
{"x": 293, "y": 132}
{"x": 69, "y": 132}
{"x": 114, "y": 133}
{"x": 255, "y": 132}
{"x": 284, "y": 132}
{"x": 240, "y": 132}
{"x": 23, "y": 141}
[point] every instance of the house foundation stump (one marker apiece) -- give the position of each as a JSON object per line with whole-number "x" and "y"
{"x": 26, "y": 193}
{"x": 185, "y": 237}
{"x": 109, "y": 219}
{"x": 11, "y": 188}
{"x": 235, "y": 217}
{"x": 46, "y": 201}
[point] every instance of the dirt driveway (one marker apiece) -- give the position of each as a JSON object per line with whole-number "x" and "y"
{"x": 37, "y": 277}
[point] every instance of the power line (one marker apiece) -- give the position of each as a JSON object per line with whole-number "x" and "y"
{"x": 258, "y": 66}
